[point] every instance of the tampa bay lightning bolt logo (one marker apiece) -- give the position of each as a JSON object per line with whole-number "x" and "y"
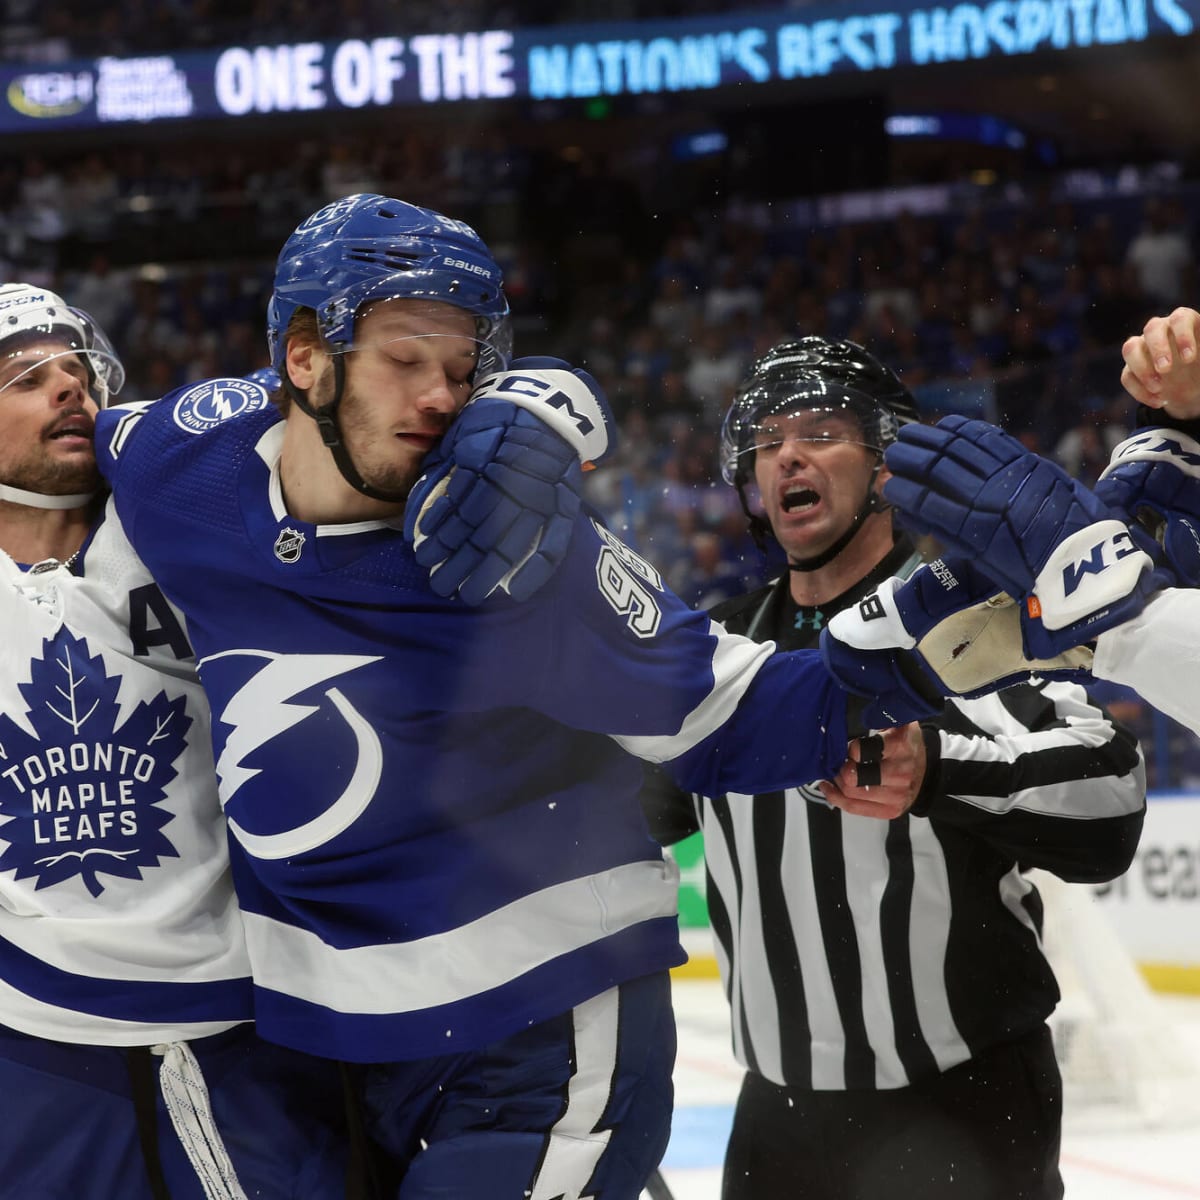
{"x": 278, "y": 707}
{"x": 80, "y": 795}
{"x": 206, "y": 405}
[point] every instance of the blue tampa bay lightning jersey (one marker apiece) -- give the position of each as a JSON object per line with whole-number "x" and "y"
{"x": 436, "y": 834}
{"x": 118, "y": 923}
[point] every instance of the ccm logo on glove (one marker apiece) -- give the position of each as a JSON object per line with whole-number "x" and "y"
{"x": 1088, "y": 571}
{"x": 561, "y": 399}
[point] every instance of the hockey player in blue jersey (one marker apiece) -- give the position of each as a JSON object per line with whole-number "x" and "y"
{"x": 127, "y": 1064}
{"x": 444, "y": 872}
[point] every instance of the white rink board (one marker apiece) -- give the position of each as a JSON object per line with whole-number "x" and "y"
{"x": 1155, "y": 905}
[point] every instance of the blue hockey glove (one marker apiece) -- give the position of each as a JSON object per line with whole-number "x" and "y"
{"x": 497, "y": 502}
{"x": 1153, "y": 479}
{"x": 1038, "y": 533}
{"x": 946, "y": 630}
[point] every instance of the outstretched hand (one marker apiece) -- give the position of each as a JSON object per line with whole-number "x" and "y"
{"x": 1162, "y": 364}
{"x": 893, "y": 783}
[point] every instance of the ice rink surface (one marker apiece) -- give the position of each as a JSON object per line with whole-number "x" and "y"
{"x": 1121, "y": 1164}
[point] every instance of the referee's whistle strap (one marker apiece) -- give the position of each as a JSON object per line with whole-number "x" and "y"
{"x": 186, "y": 1098}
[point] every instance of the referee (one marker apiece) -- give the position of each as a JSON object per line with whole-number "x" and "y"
{"x": 888, "y": 990}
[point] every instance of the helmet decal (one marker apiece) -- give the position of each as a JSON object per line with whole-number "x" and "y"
{"x": 32, "y": 316}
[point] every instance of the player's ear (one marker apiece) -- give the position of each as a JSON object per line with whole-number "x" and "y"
{"x": 302, "y": 362}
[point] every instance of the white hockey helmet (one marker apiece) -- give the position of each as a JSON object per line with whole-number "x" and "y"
{"x": 34, "y": 319}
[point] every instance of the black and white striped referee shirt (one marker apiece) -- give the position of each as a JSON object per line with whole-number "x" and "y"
{"x": 861, "y": 954}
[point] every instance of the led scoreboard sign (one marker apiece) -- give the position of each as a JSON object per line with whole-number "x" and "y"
{"x": 570, "y": 61}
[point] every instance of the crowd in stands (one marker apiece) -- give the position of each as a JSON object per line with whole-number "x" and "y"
{"x": 1008, "y": 308}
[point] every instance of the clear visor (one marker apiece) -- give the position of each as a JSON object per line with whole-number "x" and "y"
{"x": 402, "y": 326}
{"x": 30, "y": 351}
{"x": 769, "y": 423}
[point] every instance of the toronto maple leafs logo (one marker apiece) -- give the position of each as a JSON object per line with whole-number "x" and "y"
{"x": 80, "y": 796}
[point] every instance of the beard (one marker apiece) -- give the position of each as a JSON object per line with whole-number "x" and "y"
{"x": 383, "y": 462}
{"x": 54, "y": 478}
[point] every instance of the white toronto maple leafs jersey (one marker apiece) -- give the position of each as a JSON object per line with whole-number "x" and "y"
{"x": 118, "y": 924}
{"x": 437, "y": 838}
{"x": 1157, "y": 653}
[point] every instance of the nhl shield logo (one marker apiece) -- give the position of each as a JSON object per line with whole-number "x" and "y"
{"x": 288, "y": 545}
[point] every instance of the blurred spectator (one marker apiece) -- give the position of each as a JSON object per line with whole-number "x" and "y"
{"x": 674, "y": 310}
{"x": 713, "y": 369}
{"x": 1113, "y": 312}
{"x": 103, "y": 292}
{"x": 731, "y": 292}
{"x": 1161, "y": 256}
{"x": 1085, "y": 448}
{"x": 706, "y": 577}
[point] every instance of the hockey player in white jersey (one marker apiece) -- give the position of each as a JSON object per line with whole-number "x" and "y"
{"x": 444, "y": 872}
{"x": 124, "y": 981}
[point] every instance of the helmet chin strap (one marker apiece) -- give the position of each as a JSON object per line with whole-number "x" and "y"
{"x": 15, "y": 495}
{"x": 873, "y": 502}
{"x": 331, "y": 433}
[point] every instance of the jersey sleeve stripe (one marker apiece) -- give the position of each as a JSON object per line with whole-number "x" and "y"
{"x": 735, "y": 663}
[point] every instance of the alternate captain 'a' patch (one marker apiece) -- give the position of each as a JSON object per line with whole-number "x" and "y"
{"x": 80, "y": 796}
{"x": 205, "y": 405}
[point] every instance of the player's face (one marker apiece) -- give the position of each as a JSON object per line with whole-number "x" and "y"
{"x": 47, "y": 419}
{"x": 812, "y": 477}
{"x": 407, "y": 378}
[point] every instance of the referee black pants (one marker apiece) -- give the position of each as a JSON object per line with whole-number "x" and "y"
{"x": 988, "y": 1129}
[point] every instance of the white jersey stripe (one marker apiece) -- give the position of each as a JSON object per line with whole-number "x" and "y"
{"x": 865, "y": 855}
{"x": 735, "y": 663}
{"x": 576, "y": 1141}
{"x": 928, "y": 937}
{"x": 32, "y": 1016}
{"x": 757, "y": 996}
{"x": 404, "y": 977}
{"x": 825, "y": 1022}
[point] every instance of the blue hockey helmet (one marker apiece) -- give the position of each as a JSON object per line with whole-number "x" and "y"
{"x": 369, "y": 248}
{"x": 33, "y": 320}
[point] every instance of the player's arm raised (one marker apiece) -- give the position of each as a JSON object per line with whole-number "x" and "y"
{"x": 496, "y": 505}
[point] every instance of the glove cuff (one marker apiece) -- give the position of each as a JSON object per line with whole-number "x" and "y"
{"x": 1089, "y": 574}
{"x": 558, "y": 397}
